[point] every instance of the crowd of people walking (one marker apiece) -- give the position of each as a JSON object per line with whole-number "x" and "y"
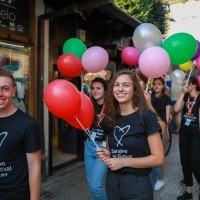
{"x": 126, "y": 142}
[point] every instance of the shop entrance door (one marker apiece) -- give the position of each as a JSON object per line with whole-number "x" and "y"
{"x": 65, "y": 141}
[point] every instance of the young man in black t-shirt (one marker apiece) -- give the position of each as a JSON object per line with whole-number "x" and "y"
{"x": 20, "y": 165}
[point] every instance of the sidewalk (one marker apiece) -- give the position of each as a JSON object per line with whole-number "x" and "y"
{"x": 71, "y": 184}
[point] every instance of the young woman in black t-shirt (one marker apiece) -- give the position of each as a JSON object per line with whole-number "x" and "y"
{"x": 134, "y": 144}
{"x": 160, "y": 91}
{"x": 157, "y": 105}
{"x": 189, "y": 140}
{"x": 96, "y": 170}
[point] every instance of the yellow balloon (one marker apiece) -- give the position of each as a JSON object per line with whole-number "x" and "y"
{"x": 186, "y": 66}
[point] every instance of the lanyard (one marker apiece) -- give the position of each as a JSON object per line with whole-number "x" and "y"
{"x": 100, "y": 115}
{"x": 190, "y": 107}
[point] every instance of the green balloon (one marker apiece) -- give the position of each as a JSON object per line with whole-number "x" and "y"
{"x": 181, "y": 47}
{"x": 74, "y": 46}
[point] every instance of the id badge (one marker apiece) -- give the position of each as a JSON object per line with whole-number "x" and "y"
{"x": 93, "y": 135}
{"x": 187, "y": 122}
{"x": 104, "y": 144}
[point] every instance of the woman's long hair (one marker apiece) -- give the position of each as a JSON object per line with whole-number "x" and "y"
{"x": 94, "y": 102}
{"x": 164, "y": 90}
{"x": 112, "y": 109}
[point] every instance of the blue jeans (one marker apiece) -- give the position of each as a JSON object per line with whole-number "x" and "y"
{"x": 154, "y": 175}
{"x": 95, "y": 170}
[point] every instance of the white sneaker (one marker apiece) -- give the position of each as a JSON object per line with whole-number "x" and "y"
{"x": 159, "y": 184}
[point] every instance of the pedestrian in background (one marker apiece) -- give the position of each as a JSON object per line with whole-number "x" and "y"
{"x": 160, "y": 91}
{"x": 189, "y": 140}
{"x": 134, "y": 143}
{"x": 20, "y": 155}
{"x": 175, "y": 93}
{"x": 157, "y": 106}
{"x": 95, "y": 169}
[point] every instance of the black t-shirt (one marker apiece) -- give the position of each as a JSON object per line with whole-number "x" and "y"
{"x": 194, "y": 118}
{"x": 159, "y": 107}
{"x": 99, "y": 132}
{"x": 19, "y": 134}
{"x": 129, "y": 138}
{"x": 166, "y": 99}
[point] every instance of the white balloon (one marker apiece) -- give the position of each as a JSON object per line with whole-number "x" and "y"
{"x": 146, "y": 35}
{"x": 177, "y": 77}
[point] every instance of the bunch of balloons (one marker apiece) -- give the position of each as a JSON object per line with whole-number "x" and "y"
{"x": 61, "y": 97}
{"x": 154, "y": 55}
{"x": 76, "y": 57}
{"x": 154, "y": 61}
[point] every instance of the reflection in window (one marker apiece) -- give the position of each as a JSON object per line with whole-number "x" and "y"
{"x": 16, "y": 58}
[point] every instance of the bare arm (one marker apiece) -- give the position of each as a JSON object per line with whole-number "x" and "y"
{"x": 179, "y": 103}
{"x": 34, "y": 169}
{"x": 168, "y": 109}
{"x": 155, "y": 159}
{"x": 148, "y": 99}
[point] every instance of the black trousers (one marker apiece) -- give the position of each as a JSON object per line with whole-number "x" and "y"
{"x": 128, "y": 187}
{"x": 189, "y": 145}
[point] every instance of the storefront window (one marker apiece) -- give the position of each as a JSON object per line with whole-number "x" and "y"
{"x": 16, "y": 58}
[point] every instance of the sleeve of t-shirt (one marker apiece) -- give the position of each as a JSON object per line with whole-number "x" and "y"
{"x": 151, "y": 123}
{"x": 32, "y": 137}
{"x": 159, "y": 107}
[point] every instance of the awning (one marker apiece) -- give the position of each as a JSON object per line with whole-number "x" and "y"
{"x": 105, "y": 6}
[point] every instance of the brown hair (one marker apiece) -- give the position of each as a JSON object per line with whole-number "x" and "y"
{"x": 141, "y": 75}
{"x": 112, "y": 110}
{"x": 194, "y": 81}
{"x": 164, "y": 90}
{"x": 6, "y": 73}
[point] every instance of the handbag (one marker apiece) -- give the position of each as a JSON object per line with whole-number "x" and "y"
{"x": 18, "y": 103}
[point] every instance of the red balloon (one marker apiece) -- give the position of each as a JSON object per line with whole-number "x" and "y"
{"x": 69, "y": 65}
{"x": 62, "y": 99}
{"x": 130, "y": 55}
{"x": 85, "y": 115}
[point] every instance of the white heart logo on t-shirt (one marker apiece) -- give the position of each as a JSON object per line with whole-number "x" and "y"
{"x": 2, "y": 137}
{"x": 122, "y": 135}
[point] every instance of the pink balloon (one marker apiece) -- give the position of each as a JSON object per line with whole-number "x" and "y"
{"x": 154, "y": 62}
{"x": 198, "y": 63}
{"x": 198, "y": 59}
{"x": 199, "y": 80}
{"x": 130, "y": 55}
{"x": 94, "y": 59}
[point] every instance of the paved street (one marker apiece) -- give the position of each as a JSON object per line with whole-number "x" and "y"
{"x": 70, "y": 183}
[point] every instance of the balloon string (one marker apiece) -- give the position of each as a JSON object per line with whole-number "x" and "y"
{"x": 88, "y": 133}
{"x": 149, "y": 82}
{"x": 194, "y": 64}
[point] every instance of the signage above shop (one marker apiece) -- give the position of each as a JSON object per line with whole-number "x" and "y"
{"x": 14, "y": 17}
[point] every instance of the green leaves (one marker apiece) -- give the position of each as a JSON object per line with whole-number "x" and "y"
{"x": 147, "y": 11}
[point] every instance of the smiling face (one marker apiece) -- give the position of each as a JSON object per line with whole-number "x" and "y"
{"x": 98, "y": 92}
{"x": 7, "y": 92}
{"x": 158, "y": 86}
{"x": 123, "y": 89}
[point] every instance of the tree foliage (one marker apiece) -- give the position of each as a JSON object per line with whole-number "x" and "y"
{"x": 139, "y": 9}
{"x": 155, "y": 12}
